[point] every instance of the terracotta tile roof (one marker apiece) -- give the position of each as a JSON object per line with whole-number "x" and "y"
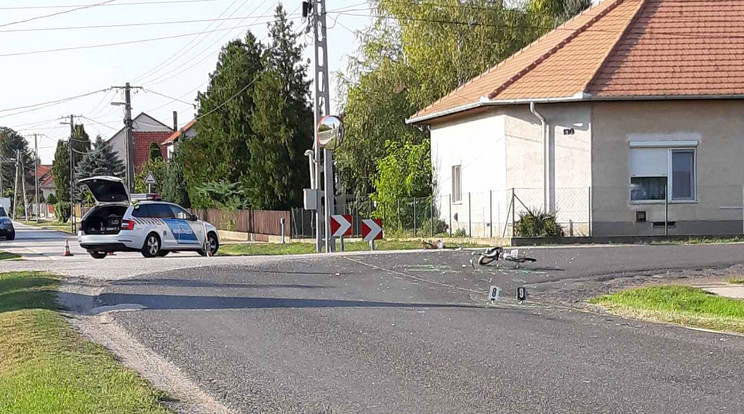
{"x": 178, "y": 133}
{"x": 621, "y": 49}
{"x": 43, "y": 170}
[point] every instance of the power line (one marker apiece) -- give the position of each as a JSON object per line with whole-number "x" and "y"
{"x": 100, "y": 123}
{"x": 30, "y": 19}
{"x": 176, "y": 54}
{"x": 128, "y": 42}
{"x": 169, "y": 97}
{"x": 120, "y": 25}
{"x": 36, "y": 107}
{"x": 139, "y": 3}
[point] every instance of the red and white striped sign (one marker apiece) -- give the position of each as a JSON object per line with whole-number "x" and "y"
{"x": 371, "y": 229}
{"x": 341, "y": 225}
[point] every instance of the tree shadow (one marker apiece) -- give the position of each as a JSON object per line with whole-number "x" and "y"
{"x": 188, "y": 302}
{"x": 27, "y": 290}
{"x": 206, "y": 284}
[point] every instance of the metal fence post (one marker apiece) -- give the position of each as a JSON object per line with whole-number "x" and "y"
{"x": 450, "y": 215}
{"x": 414, "y": 216}
{"x": 431, "y": 214}
{"x": 513, "y": 210}
{"x": 589, "y": 221}
{"x": 666, "y": 211}
{"x": 470, "y": 215}
{"x": 490, "y": 214}
{"x": 400, "y": 223}
{"x": 281, "y": 225}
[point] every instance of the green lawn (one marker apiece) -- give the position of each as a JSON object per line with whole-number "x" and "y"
{"x": 46, "y": 367}
{"x": 51, "y": 225}
{"x": 736, "y": 280}
{"x": 261, "y": 249}
{"x": 683, "y": 305}
{"x": 8, "y": 256}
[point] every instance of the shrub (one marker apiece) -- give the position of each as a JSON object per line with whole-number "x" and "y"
{"x": 51, "y": 199}
{"x": 62, "y": 211}
{"x": 537, "y": 224}
{"x": 460, "y": 233}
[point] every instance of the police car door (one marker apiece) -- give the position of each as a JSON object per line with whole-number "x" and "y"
{"x": 161, "y": 216}
{"x": 183, "y": 228}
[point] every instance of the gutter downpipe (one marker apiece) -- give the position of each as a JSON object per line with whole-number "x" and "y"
{"x": 546, "y": 159}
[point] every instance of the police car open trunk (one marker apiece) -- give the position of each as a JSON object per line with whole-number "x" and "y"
{"x": 112, "y": 201}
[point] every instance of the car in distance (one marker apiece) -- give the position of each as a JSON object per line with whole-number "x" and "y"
{"x": 6, "y": 225}
{"x": 154, "y": 228}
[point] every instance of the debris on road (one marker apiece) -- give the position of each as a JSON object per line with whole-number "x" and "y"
{"x": 494, "y": 254}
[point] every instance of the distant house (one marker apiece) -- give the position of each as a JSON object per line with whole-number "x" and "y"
{"x": 626, "y": 120}
{"x": 146, "y": 130}
{"x": 188, "y": 131}
{"x": 46, "y": 181}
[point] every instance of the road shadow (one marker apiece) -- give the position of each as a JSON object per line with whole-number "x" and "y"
{"x": 205, "y": 284}
{"x": 187, "y": 302}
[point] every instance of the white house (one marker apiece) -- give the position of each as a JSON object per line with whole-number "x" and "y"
{"x": 626, "y": 120}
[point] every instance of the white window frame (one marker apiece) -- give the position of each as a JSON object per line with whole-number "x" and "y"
{"x": 671, "y": 147}
{"x": 456, "y": 183}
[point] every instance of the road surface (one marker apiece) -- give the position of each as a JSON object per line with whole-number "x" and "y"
{"x": 413, "y": 332}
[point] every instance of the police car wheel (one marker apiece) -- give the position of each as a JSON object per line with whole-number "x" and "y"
{"x": 163, "y": 253}
{"x": 214, "y": 245}
{"x": 97, "y": 255}
{"x": 151, "y": 247}
{"x": 10, "y": 236}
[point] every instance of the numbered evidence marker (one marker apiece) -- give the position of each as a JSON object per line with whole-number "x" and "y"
{"x": 493, "y": 293}
{"x": 521, "y": 293}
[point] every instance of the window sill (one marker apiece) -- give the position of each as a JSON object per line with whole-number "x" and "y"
{"x": 457, "y": 203}
{"x": 661, "y": 202}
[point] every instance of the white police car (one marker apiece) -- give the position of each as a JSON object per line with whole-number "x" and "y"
{"x": 153, "y": 228}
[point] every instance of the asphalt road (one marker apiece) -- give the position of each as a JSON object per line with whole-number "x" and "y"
{"x": 412, "y": 333}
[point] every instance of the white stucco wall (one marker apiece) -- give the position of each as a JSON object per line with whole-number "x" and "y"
{"x": 478, "y": 145}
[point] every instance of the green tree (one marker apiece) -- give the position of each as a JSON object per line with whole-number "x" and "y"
{"x": 102, "y": 160}
{"x": 281, "y": 122}
{"x": 174, "y": 184}
{"x": 219, "y": 151}
{"x": 61, "y": 171}
{"x": 51, "y": 199}
{"x": 11, "y": 143}
{"x": 155, "y": 153}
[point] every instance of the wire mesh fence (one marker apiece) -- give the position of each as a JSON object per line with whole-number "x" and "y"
{"x": 578, "y": 212}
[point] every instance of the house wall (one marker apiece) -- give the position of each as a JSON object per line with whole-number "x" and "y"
{"x": 478, "y": 145}
{"x": 718, "y": 125}
{"x": 570, "y": 161}
{"x": 142, "y": 123}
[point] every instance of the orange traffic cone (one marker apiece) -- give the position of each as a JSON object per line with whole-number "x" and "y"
{"x": 67, "y": 249}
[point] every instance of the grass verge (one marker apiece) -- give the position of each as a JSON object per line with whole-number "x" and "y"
{"x": 736, "y": 281}
{"x": 263, "y": 249}
{"x": 46, "y": 367}
{"x": 50, "y": 225}
{"x": 9, "y": 256}
{"x": 682, "y": 305}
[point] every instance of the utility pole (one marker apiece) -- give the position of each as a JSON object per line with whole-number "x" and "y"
{"x": 322, "y": 108}
{"x": 15, "y": 184}
{"x": 22, "y": 167}
{"x": 36, "y": 176}
{"x": 128, "y": 130}
{"x": 71, "y": 151}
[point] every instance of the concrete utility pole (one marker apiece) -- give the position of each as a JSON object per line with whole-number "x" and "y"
{"x": 128, "y": 129}
{"x": 322, "y": 108}
{"x": 36, "y": 176}
{"x": 23, "y": 184}
{"x": 71, "y": 151}
{"x": 15, "y": 183}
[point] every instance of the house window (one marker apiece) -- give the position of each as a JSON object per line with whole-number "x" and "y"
{"x": 456, "y": 184}
{"x": 654, "y": 170}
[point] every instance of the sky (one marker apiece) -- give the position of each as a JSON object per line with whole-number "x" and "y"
{"x": 177, "y": 67}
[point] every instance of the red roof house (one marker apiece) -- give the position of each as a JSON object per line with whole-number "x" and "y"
{"x": 625, "y": 120}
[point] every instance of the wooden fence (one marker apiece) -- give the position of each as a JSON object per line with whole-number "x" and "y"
{"x": 248, "y": 221}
